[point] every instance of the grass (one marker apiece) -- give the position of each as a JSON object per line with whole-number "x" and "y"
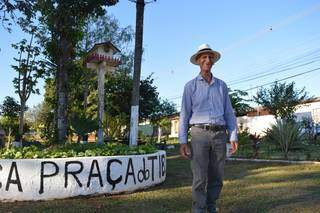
{"x": 248, "y": 187}
{"x": 302, "y": 151}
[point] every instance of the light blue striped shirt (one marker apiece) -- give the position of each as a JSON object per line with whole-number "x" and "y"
{"x": 204, "y": 103}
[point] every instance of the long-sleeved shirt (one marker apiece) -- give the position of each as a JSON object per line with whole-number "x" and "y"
{"x": 204, "y": 103}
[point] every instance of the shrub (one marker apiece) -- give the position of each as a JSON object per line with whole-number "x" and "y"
{"x": 82, "y": 125}
{"x": 244, "y": 137}
{"x": 249, "y": 144}
{"x": 308, "y": 126}
{"x": 255, "y": 140}
{"x": 285, "y": 134}
{"x": 76, "y": 150}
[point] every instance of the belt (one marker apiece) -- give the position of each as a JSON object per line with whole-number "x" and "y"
{"x": 211, "y": 127}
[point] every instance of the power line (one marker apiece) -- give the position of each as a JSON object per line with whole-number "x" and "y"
{"x": 274, "y": 72}
{"x": 278, "y": 25}
{"x": 296, "y": 59}
{"x": 263, "y": 74}
{"x": 177, "y": 97}
{"x": 292, "y": 76}
{"x": 304, "y": 43}
{"x": 309, "y": 71}
{"x": 173, "y": 96}
{"x": 302, "y": 73}
{"x": 281, "y": 64}
{"x": 268, "y": 62}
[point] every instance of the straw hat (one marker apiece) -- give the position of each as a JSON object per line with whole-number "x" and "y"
{"x": 205, "y": 48}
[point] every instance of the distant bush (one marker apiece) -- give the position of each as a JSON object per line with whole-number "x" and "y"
{"x": 249, "y": 144}
{"x": 76, "y": 150}
{"x": 285, "y": 134}
{"x": 244, "y": 137}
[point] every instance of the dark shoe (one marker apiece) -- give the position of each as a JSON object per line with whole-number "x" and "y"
{"x": 212, "y": 210}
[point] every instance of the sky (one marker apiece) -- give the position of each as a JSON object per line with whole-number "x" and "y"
{"x": 260, "y": 42}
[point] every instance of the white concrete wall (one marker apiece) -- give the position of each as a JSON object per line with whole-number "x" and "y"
{"x": 257, "y": 124}
{"x": 310, "y": 110}
{"x": 46, "y": 179}
{"x": 174, "y": 128}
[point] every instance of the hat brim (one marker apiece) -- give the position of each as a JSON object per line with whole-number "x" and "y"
{"x": 216, "y": 56}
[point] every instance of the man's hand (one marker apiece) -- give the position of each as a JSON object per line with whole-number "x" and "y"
{"x": 234, "y": 147}
{"x": 185, "y": 151}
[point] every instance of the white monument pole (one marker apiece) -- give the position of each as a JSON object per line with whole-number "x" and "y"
{"x": 101, "y": 59}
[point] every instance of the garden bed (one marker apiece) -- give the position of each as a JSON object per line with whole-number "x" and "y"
{"x": 301, "y": 152}
{"x": 248, "y": 187}
{"x": 75, "y": 150}
{"x": 85, "y": 174}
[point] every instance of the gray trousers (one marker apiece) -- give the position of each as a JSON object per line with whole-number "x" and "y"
{"x": 208, "y": 149}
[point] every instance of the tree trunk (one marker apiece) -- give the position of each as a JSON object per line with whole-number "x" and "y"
{"x": 21, "y": 117}
{"x": 9, "y": 137}
{"x": 85, "y": 96}
{"x": 286, "y": 155}
{"x": 159, "y": 134}
{"x": 24, "y": 92}
{"x": 107, "y": 125}
{"x": 136, "y": 75}
{"x": 101, "y": 80}
{"x": 154, "y": 129}
{"x": 62, "y": 89}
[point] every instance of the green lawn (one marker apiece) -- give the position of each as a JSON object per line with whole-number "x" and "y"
{"x": 249, "y": 187}
{"x": 302, "y": 151}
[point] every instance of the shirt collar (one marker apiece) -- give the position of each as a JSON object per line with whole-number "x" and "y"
{"x": 200, "y": 78}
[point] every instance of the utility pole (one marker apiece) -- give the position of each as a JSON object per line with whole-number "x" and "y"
{"x": 134, "y": 119}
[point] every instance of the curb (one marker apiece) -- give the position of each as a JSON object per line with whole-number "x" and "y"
{"x": 273, "y": 161}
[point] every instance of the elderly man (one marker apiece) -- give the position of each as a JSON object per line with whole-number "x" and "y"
{"x": 207, "y": 109}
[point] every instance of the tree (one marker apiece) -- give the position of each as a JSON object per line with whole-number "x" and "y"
{"x": 83, "y": 97}
{"x": 149, "y": 98}
{"x": 29, "y": 69}
{"x": 117, "y": 96}
{"x": 106, "y": 28}
{"x": 308, "y": 126}
{"x": 10, "y": 107}
{"x": 44, "y": 123}
{"x": 65, "y": 21}
{"x": 281, "y": 99}
{"x": 137, "y": 72}
{"x": 159, "y": 116}
{"x": 40, "y": 119}
{"x": 8, "y": 9}
{"x": 115, "y": 125}
{"x": 10, "y": 112}
{"x": 164, "y": 108}
{"x": 238, "y": 102}
{"x": 118, "y": 85}
{"x": 81, "y": 124}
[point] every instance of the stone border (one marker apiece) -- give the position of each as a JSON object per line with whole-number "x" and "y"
{"x": 273, "y": 161}
{"x": 57, "y": 178}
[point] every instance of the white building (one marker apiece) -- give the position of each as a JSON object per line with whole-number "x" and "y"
{"x": 260, "y": 119}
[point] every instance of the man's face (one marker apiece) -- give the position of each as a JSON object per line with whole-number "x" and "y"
{"x": 205, "y": 61}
